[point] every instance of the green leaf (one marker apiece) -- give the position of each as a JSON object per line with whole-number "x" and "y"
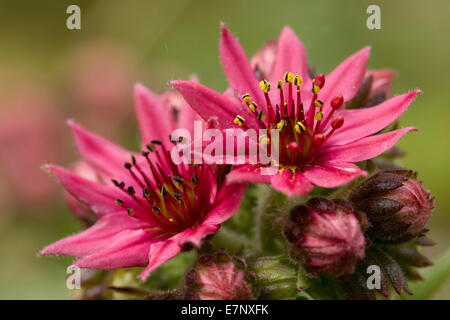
{"x": 434, "y": 277}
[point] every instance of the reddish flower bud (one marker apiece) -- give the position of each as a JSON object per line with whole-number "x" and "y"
{"x": 337, "y": 122}
{"x": 325, "y": 235}
{"x": 397, "y": 206}
{"x": 319, "y": 80}
{"x": 337, "y": 102}
{"x": 218, "y": 277}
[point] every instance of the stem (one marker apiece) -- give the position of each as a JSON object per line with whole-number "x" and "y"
{"x": 232, "y": 241}
{"x": 269, "y": 202}
{"x": 434, "y": 277}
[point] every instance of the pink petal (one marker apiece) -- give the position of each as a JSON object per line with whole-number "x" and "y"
{"x": 227, "y": 203}
{"x": 381, "y": 81}
{"x": 101, "y": 235}
{"x": 101, "y": 154}
{"x": 196, "y": 235}
{"x": 186, "y": 118}
{"x": 155, "y": 119}
{"x": 128, "y": 249}
{"x": 237, "y": 68}
{"x": 360, "y": 123}
{"x": 292, "y": 184}
{"x": 346, "y": 79}
{"x": 332, "y": 175}
{"x": 363, "y": 149}
{"x": 291, "y": 56}
{"x": 160, "y": 252}
{"x": 264, "y": 59}
{"x": 99, "y": 197}
{"x": 248, "y": 174}
{"x": 209, "y": 103}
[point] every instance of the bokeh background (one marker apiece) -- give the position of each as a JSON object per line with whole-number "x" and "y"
{"x": 49, "y": 73}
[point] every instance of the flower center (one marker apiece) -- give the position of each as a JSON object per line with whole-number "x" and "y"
{"x": 302, "y": 131}
{"x": 170, "y": 197}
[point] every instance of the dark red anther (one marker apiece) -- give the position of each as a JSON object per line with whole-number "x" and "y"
{"x": 319, "y": 80}
{"x": 337, "y": 122}
{"x": 337, "y": 102}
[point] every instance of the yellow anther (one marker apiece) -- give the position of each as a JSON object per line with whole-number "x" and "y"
{"x": 170, "y": 219}
{"x": 246, "y": 98}
{"x": 299, "y": 127}
{"x": 264, "y": 140}
{"x": 130, "y": 212}
{"x": 318, "y": 103}
{"x": 253, "y": 106}
{"x": 118, "y": 202}
{"x": 281, "y": 124}
{"x": 318, "y": 116}
{"x": 298, "y": 80}
{"x": 239, "y": 120}
{"x": 265, "y": 86}
{"x": 316, "y": 89}
{"x": 261, "y": 116}
{"x": 280, "y": 84}
{"x": 288, "y": 77}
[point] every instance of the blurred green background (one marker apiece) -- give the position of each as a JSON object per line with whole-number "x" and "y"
{"x": 88, "y": 75}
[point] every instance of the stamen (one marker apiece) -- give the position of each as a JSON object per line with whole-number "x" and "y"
{"x": 265, "y": 86}
{"x": 178, "y": 196}
{"x": 318, "y": 83}
{"x": 280, "y": 85}
{"x": 253, "y": 106}
{"x": 336, "y": 103}
{"x": 281, "y": 125}
{"x": 130, "y": 212}
{"x": 239, "y": 120}
{"x": 156, "y": 142}
{"x": 264, "y": 140}
{"x": 297, "y": 80}
{"x": 288, "y": 77}
{"x": 115, "y": 182}
{"x": 261, "y": 116}
{"x": 318, "y": 116}
{"x": 299, "y": 127}
{"x": 246, "y": 98}
{"x": 195, "y": 180}
{"x": 119, "y": 202}
{"x": 178, "y": 179}
{"x": 315, "y": 89}
{"x": 151, "y": 147}
{"x": 131, "y": 191}
{"x": 318, "y": 103}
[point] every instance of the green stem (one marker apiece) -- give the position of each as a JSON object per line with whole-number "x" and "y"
{"x": 434, "y": 277}
{"x": 269, "y": 202}
{"x": 232, "y": 241}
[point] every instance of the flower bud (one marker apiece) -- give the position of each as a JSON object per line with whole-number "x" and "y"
{"x": 397, "y": 206}
{"x": 218, "y": 277}
{"x": 326, "y": 236}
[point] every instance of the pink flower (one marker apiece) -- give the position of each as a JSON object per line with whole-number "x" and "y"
{"x": 319, "y": 141}
{"x": 326, "y": 236}
{"x": 30, "y": 134}
{"x": 148, "y": 208}
{"x": 397, "y": 205}
{"x": 218, "y": 277}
